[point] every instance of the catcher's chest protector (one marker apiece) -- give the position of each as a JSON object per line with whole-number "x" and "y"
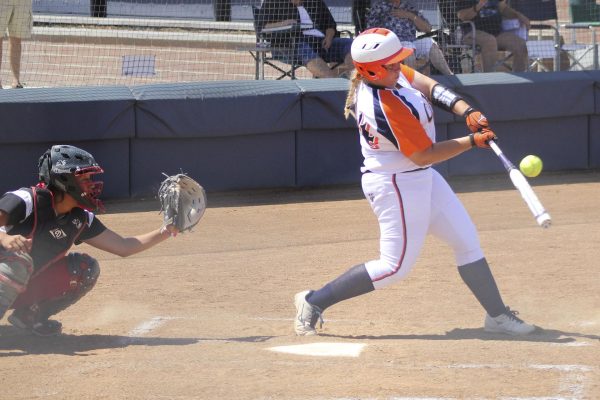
{"x": 52, "y": 236}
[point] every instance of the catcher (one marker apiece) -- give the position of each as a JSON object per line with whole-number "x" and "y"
{"x": 38, "y": 226}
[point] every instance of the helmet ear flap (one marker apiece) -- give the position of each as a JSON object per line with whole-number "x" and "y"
{"x": 44, "y": 167}
{"x": 371, "y": 71}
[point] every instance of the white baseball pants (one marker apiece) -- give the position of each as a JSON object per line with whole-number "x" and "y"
{"x": 408, "y": 206}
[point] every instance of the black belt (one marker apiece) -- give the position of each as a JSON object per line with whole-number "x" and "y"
{"x": 403, "y": 172}
{"x": 415, "y": 170}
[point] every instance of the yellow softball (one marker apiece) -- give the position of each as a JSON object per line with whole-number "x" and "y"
{"x": 531, "y": 166}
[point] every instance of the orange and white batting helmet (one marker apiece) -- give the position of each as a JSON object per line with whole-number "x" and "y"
{"x": 373, "y": 49}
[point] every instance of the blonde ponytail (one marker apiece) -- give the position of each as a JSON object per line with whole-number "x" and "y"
{"x": 351, "y": 98}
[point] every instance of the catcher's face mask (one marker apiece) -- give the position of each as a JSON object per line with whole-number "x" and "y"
{"x": 89, "y": 190}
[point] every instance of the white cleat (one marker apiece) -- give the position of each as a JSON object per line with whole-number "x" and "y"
{"x": 307, "y": 315}
{"x": 508, "y": 323}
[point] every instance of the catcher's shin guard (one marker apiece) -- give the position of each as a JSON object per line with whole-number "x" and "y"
{"x": 15, "y": 271}
{"x": 59, "y": 286}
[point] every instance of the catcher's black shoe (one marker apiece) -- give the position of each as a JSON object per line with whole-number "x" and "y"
{"x": 26, "y": 319}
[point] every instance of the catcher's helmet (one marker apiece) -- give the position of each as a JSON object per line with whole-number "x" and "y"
{"x": 70, "y": 169}
{"x": 373, "y": 49}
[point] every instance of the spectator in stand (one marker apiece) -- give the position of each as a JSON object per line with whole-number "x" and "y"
{"x": 98, "y": 8}
{"x": 404, "y": 19}
{"x": 360, "y": 8}
{"x": 315, "y": 47}
{"x": 487, "y": 16}
{"x": 16, "y": 19}
{"x": 222, "y": 10}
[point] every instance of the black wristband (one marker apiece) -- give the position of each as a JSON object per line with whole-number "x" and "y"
{"x": 472, "y": 139}
{"x": 468, "y": 111}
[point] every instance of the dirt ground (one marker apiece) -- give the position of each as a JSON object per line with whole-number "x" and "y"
{"x": 199, "y": 316}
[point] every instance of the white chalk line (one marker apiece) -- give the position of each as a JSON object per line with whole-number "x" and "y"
{"x": 575, "y": 343}
{"x": 453, "y": 398}
{"x": 421, "y": 398}
{"x": 540, "y": 398}
{"x": 572, "y": 381}
{"x": 563, "y": 368}
{"x": 145, "y": 328}
{"x": 558, "y": 367}
{"x": 148, "y": 326}
{"x": 385, "y": 398}
{"x": 446, "y": 398}
{"x": 324, "y": 320}
{"x": 571, "y": 385}
{"x": 572, "y": 344}
{"x": 582, "y": 324}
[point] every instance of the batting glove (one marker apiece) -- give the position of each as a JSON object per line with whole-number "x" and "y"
{"x": 481, "y": 139}
{"x": 475, "y": 120}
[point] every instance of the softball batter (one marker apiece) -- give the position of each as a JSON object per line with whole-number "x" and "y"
{"x": 38, "y": 226}
{"x": 392, "y": 107}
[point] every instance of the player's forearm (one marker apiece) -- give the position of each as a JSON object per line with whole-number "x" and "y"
{"x": 143, "y": 242}
{"x": 126, "y": 246}
{"x": 460, "y": 107}
{"x": 441, "y": 151}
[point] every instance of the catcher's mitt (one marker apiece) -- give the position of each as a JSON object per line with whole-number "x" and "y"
{"x": 182, "y": 201}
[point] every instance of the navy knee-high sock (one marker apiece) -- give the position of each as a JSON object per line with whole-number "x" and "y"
{"x": 478, "y": 277}
{"x": 352, "y": 283}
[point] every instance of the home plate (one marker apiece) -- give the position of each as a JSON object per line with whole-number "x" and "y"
{"x": 322, "y": 349}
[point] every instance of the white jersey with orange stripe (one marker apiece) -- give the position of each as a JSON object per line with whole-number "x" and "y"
{"x": 393, "y": 124}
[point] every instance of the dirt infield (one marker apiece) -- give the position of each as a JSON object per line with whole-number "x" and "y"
{"x": 198, "y": 317}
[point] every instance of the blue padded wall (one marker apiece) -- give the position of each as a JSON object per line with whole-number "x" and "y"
{"x": 216, "y": 109}
{"x": 66, "y": 114}
{"x": 225, "y": 163}
{"x": 266, "y": 134}
{"x": 19, "y": 164}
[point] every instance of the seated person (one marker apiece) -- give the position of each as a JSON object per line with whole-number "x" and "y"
{"x": 403, "y": 18}
{"x": 314, "y": 47}
{"x": 360, "y": 8}
{"x": 487, "y": 16}
{"x": 584, "y": 10}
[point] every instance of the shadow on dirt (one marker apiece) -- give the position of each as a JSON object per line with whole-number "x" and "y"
{"x": 540, "y": 335}
{"x": 257, "y": 197}
{"x": 14, "y": 343}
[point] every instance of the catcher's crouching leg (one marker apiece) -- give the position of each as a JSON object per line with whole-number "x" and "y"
{"x": 15, "y": 271}
{"x": 59, "y": 286}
